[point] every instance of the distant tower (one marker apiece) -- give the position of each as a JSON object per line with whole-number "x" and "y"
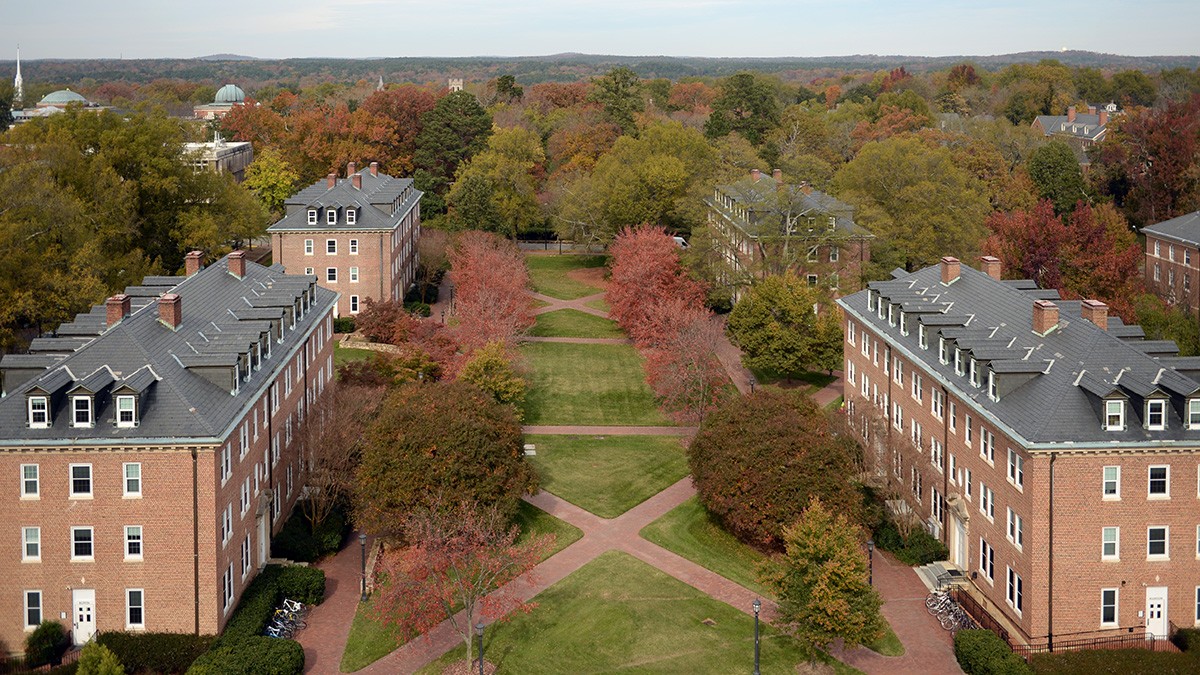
{"x": 455, "y": 84}
{"x": 379, "y": 87}
{"x": 18, "y": 83}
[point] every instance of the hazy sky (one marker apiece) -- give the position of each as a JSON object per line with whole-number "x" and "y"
{"x": 363, "y": 28}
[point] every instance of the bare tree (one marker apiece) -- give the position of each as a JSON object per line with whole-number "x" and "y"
{"x": 328, "y": 446}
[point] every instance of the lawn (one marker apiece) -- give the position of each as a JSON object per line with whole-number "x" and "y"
{"x": 619, "y": 614}
{"x": 599, "y": 303}
{"x": 370, "y": 640}
{"x": 588, "y": 384}
{"x": 608, "y": 475}
{"x": 576, "y": 324}
{"x": 810, "y": 380}
{"x": 549, "y": 275}
{"x": 343, "y": 355}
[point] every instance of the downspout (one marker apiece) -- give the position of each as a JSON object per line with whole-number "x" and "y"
{"x": 945, "y": 465}
{"x": 196, "y": 541}
{"x": 272, "y": 396}
{"x": 382, "y": 274}
{"x": 1050, "y": 564}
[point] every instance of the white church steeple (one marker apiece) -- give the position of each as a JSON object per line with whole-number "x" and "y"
{"x": 18, "y": 84}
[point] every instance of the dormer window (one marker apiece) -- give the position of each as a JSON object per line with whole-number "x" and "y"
{"x": 331, "y": 216}
{"x": 832, "y": 223}
{"x": 903, "y": 323}
{"x": 975, "y": 374}
{"x": 958, "y": 361}
{"x": 39, "y": 412}
{"x": 351, "y": 216}
{"x": 870, "y": 300}
{"x": 1114, "y": 415}
{"x": 922, "y": 336}
{"x": 1193, "y": 413}
{"x": 126, "y": 411}
{"x": 312, "y": 216}
{"x": 891, "y": 314}
{"x": 1156, "y": 414}
{"x": 943, "y": 353}
{"x": 81, "y": 411}
{"x": 879, "y": 306}
{"x": 991, "y": 386}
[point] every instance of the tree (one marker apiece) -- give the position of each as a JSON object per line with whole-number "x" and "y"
{"x": 1056, "y": 173}
{"x": 96, "y": 659}
{"x": 822, "y": 584}
{"x": 496, "y": 191}
{"x": 747, "y": 104}
{"x": 683, "y": 370}
{"x": 776, "y": 325}
{"x": 456, "y": 559}
{"x": 645, "y": 272}
{"x": 491, "y": 369}
{"x": 491, "y": 290}
{"x": 758, "y": 459}
{"x": 433, "y": 249}
{"x": 619, "y": 94}
{"x": 454, "y": 130}
{"x": 430, "y": 440}
{"x": 398, "y": 112}
{"x": 272, "y": 180}
{"x": 1162, "y": 322}
{"x": 1132, "y": 88}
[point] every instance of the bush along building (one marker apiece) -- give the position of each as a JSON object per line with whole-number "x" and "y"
{"x": 765, "y": 226}
{"x": 149, "y": 444}
{"x": 358, "y": 235}
{"x": 1052, "y": 448}
{"x": 1173, "y": 261}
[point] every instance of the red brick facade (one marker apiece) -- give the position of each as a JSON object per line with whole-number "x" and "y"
{"x": 384, "y": 267}
{"x": 1173, "y": 272}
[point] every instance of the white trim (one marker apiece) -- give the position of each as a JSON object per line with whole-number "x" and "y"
{"x": 71, "y": 482}
{"x": 37, "y": 531}
{"x": 141, "y": 543}
{"x": 141, "y": 625}
{"x": 1116, "y": 542}
{"x": 125, "y": 478}
{"x": 91, "y": 543}
{"x": 1166, "y": 554}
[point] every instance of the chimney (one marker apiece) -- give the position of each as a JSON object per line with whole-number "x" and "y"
{"x": 117, "y": 308}
{"x": 1103, "y": 117}
{"x": 805, "y": 187}
{"x": 950, "y": 269}
{"x": 331, "y": 179}
{"x": 374, "y": 168}
{"x": 991, "y": 266}
{"x": 1096, "y": 312}
{"x": 237, "y": 264}
{"x": 777, "y": 174}
{"x": 356, "y": 180}
{"x": 192, "y": 262}
{"x": 1091, "y": 110}
{"x": 350, "y": 169}
{"x": 1071, "y": 113}
{"x": 1045, "y": 316}
{"x": 170, "y": 310}
{"x": 755, "y": 174}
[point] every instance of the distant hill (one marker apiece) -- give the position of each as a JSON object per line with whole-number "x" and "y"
{"x": 226, "y": 57}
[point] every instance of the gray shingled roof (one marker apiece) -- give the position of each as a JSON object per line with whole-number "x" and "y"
{"x": 763, "y": 200}
{"x": 1084, "y": 126}
{"x": 1051, "y": 387}
{"x": 374, "y": 204}
{"x": 141, "y": 354}
{"x": 1184, "y": 229}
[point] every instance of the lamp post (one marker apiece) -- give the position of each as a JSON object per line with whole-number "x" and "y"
{"x": 871, "y": 562}
{"x": 757, "y": 604}
{"x": 362, "y": 544}
{"x": 479, "y": 632}
{"x": 752, "y": 383}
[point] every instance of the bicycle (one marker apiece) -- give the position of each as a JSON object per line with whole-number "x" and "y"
{"x": 293, "y": 606}
{"x": 957, "y": 619}
{"x": 938, "y": 601}
{"x": 278, "y": 632}
{"x": 290, "y": 619}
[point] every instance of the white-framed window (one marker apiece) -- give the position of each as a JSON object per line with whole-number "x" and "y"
{"x": 308, "y": 245}
{"x": 918, "y": 388}
{"x": 331, "y": 246}
{"x": 312, "y": 216}
{"x": 968, "y": 481}
{"x": 898, "y": 417}
{"x": 1114, "y": 415}
{"x": 866, "y": 345}
{"x": 953, "y": 417}
{"x": 917, "y": 432}
{"x": 330, "y": 215}
{"x": 959, "y": 361}
{"x": 135, "y": 609}
{"x": 353, "y": 247}
{"x": 81, "y": 411}
{"x": 1016, "y": 469}
{"x": 1112, "y": 482}
{"x": 133, "y": 479}
{"x": 967, "y": 430}
{"x": 31, "y": 487}
{"x": 354, "y": 275}
{"x": 987, "y": 501}
{"x": 1110, "y": 543}
{"x": 126, "y": 411}
{"x": 851, "y": 332}
{"x": 81, "y": 481}
{"x": 897, "y": 370}
{"x": 226, "y": 463}
{"x": 1193, "y": 413}
{"x": 1159, "y": 482}
{"x": 354, "y": 307}
{"x": 903, "y": 323}
{"x": 133, "y": 542}
{"x": 1016, "y": 591}
{"x": 1016, "y": 529}
{"x": 987, "y": 560}
{"x": 226, "y": 523}
{"x": 81, "y": 543}
{"x": 1198, "y": 604}
{"x": 33, "y": 609}
{"x": 937, "y": 402}
{"x": 812, "y": 279}
{"x": 992, "y": 392}
{"x": 308, "y": 271}
{"x": 1157, "y": 249}
{"x": 39, "y": 412}
{"x": 943, "y": 354}
{"x": 227, "y": 589}
{"x": 812, "y": 253}
{"x": 1156, "y": 414}
{"x": 1157, "y": 272}
{"x": 1171, "y": 252}
{"x": 935, "y": 453}
{"x": 922, "y": 336}
{"x": 987, "y": 445}
{"x": 331, "y": 275}
{"x": 974, "y": 371}
{"x": 833, "y": 253}
{"x": 245, "y": 499}
{"x": 954, "y": 478}
{"x": 31, "y": 544}
{"x": 1157, "y": 539}
{"x": 351, "y": 215}
{"x": 245, "y": 557}
{"x": 1108, "y": 606}
{"x": 851, "y": 372}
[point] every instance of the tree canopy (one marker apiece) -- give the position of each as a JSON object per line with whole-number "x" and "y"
{"x": 777, "y": 326}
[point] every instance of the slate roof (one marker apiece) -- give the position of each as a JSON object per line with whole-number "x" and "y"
{"x": 1184, "y": 229}
{"x": 381, "y": 203}
{"x": 1084, "y": 126}
{"x": 762, "y": 200}
{"x": 142, "y": 355}
{"x": 1051, "y": 387}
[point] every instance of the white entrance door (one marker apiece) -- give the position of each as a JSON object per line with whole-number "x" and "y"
{"x": 83, "y": 601}
{"x": 1156, "y": 612}
{"x": 262, "y": 540}
{"x": 960, "y": 548}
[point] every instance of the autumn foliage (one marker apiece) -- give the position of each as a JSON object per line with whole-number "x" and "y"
{"x": 491, "y": 283}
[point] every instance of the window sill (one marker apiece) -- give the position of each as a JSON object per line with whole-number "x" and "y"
{"x": 1158, "y": 498}
{"x": 81, "y": 497}
{"x": 87, "y": 559}
{"x": 31, "y": 560}
{"x": 1111, "y": 498}
{"x": 1110, "y": 560}
{"x": 140, "y": 628}
{"x": 134, "y": 558}
{"x": 132, "y": 496}
{"x": 31, "y": 498}
{"x": 1158, "y": 558}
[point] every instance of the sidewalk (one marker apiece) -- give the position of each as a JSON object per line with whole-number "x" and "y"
{"x": 329, "y": 622}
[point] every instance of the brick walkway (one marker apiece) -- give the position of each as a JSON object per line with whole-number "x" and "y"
{"x": 329, "y": 622}
{"x": 553, "y": 304}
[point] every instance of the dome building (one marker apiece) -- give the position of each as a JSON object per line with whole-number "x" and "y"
{"x": 227, "y": 97}
{"x": 62, "y": 98}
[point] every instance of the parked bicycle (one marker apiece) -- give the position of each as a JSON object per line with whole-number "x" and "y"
{"x": 287, "y": 619}
{"x": 949, "y": 612}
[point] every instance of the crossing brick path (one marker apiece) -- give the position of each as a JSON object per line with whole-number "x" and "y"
{"x": 928, "y": 647}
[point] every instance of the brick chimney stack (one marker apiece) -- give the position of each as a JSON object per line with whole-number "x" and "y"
{"x": 1103, "y": 117}
{"x": 356, "y": 181}
{"x": 117, "y": 308}
{"x": 331, "y": 180}
{"x": 1045, "y": 316}
{"x": 777, "y": 174}
{"x": 192, "y": 262}
{"x": 991, "y": 266}
{"x": 351, "y": 168}
{"x": 950, "y": 269}
{"x": 1071, "y": 113}
{"x": 374, "y": 168}
{"x": 755, "y": 174}
{"x": 170, "y": 310}
{"x": 237, "y": 264}
{"x": 1096, "y": 312}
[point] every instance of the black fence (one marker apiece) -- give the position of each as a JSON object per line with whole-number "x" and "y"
{"x": 1128, "y": 638}
{"x": 559, "y": 246}
{"x": 15, "y": 665}
{"x": 980, "y": 615}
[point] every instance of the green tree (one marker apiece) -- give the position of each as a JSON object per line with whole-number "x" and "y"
{"x": 748, "y": 105}
{"x": 1133, "y": 88}
{"x": 619, "y": 93}
{"x": 231, "y": 217}
{"x": 453, "y": 131}
{"x": 1056, "y": 174}
{"x": 1091, "y": 85}
{"x": 272, "y": 180}
{"x": 822, "y": 583}
{"x": 96, "y": 659}
{"x": 776, "y": 326}
{"x": 496, "y": 190}
{"x": 491, "y": 369}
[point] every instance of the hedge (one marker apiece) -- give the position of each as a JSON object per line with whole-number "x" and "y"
{"x": 296, "y": 541}
{"x": 343, "y": 324}
{"x": 160, "y": 653}
{"x": 920, "y": 548}
{"x": 982, "y": 652}
{"x": 46, "y": 644}
{"x": 1117, "y": 662}
{"x": 1188, "y": 639}
{"x": 256, "y": 655}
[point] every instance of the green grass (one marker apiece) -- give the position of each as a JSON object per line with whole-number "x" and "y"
{"x": 888, "y": 644}
{"x": 608, "y": 475}
{"x": 370, "y": 640}
{"x": 574, "y": 323}
{"x": 549, "y": 275}
{"x": 813, "y": 380}
{"x": 588, "y": 384}
{"x": 343, "y": 355}
{"x": 599, "y": 303}
{"x": 619, "y": 614}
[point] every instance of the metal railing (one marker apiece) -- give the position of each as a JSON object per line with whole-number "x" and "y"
{"x": 1133, "y": 637}
{"x": 981, "y": 615}
{"x": 15, "y": 665}
{"x": 560, "y": 245}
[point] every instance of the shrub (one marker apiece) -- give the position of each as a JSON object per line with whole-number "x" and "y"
{"x": 297, "y": 541}
{"x": 1116, "y": 662}
{"x": 305, "y": 585}
{"x": 419, "y": 308}
{"x": 920, "y": 548}
{"x": 982, "y": 652}
{"x": 256, "y": 655}
{"x": 343, "y": 324}
{"x": 96, "y": 659}
{"x": 1188, "y": 639}
{"x": 162, "y": 653}
{"x": 46, "y": 644}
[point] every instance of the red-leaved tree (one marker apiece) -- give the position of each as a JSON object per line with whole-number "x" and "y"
{"x": 454, "y": 567}
{"x": 491, "y": 284}
{"x": 684, "y": 371}
{"x": 645, "y": 273}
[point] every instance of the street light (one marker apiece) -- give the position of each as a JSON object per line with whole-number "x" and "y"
{"x": 757, "y": 604}
{"x": 362, "y": 543}
{"x": 752, "y": 383}
{"x": 871, "y": 562}
{"x": 479, "y": 632}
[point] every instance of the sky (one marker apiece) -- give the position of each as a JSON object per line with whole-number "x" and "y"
{"x": 762, "y": 28}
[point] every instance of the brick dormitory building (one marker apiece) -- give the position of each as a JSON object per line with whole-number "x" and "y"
{"x": 148, "y": 446}
{"x": 1052, "y": 448}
